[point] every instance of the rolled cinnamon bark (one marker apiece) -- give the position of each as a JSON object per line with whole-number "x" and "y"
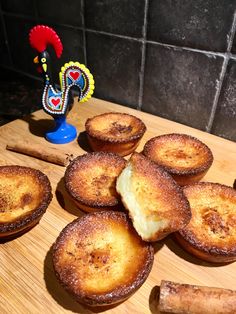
{"x": 49, "y": 154}
{"x": 191, "y": 299}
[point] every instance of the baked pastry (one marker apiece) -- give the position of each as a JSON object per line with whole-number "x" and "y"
{"x": 211, "y": 232}
{"x": 156, "y": 204}
{"x": 100, "y": 259}
{"x": 25, "y": 194}
{"x": 114, "y": 132}
{"x": 185, "y": 157}
{"x": 90, "y": 180}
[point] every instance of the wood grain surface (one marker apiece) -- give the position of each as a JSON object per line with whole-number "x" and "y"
{"x": 27, "y": 280}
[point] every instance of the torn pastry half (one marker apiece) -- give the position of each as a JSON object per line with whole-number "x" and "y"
{"x": 156, "y": 204}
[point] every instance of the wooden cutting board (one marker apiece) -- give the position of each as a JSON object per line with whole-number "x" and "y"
{"x": 27, "y": 280}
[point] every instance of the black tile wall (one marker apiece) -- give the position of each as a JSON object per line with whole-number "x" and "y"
{"x": 64, "y": 12}
{"x": 118, "y": 16}
{"x": 17, "y": 33}
{"x": 115, "y": 78}
{"x": 180, "y": 84}
{"x": 202, "y": 24}
{"x": 224, "y": 122}
{"x": 21, "y": 7}
{"x": 175, "y": 59}
{"x": 4, "y": 54}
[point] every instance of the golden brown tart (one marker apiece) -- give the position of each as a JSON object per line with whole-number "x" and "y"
{"x": 114, "y": 132}
{"x": 185, "y": 157}
{"x": 25, "y": 194}
{"x": 90, "y": 180}
{"x": 211, "y": 232}
{"x": 156, "y": 204}
{"x": 100, "y": 259}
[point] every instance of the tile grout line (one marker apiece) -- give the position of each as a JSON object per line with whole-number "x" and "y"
{"x": 84, "y": 32}
{"x": 2, "y": 20}
{"x": 143, "y": 57}
{"x": 142, "y": 40}
{"x": 222, "y": 75}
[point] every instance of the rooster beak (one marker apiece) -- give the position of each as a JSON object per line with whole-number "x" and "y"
{"x": 36, "y": 59}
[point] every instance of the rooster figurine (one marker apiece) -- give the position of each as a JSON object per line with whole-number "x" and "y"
{"x": 75, "y": 79}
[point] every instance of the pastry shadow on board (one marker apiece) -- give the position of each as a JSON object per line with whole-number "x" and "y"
{"x": 83, "y": 142}
{"x": 65, "y": 201}
{"x": 17, "y": 235}
{"x": 172, "y": 244}
{"x": 56, "y": 290}
{"x": 38, "y": 127}
{"x": 60, "y": 295}
{"x": 158, "y": 245}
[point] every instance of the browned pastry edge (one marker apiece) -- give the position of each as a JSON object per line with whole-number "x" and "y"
{"x": 90, "y": 209}
{"x": 31, "y": 219}
{"x": 201, "y": 170}
{"x": 81, "y": 200}
{"x": 208, "y": 253}
{"x": 122, "y": 149}
{"x": 104, "y": 138}
{"x": 120, "y": 293}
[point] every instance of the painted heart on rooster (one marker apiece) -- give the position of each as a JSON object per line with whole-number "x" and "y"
{"x": 74, "y": 75}
{"x": 55, "y": 101}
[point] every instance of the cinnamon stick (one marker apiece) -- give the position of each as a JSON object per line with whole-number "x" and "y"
{"x": 49, "y": 154}
{"x": 192, "y": 299}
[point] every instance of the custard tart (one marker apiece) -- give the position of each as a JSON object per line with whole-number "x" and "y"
{"x": 156, "y": 204}
{"x": 185, "y": 157}
{"x": 25, "y": 194}
{"x": 114, "y": 132}
{"x": 211, "y": 232}
{"x": 100, "y": 260}
{"x": 90, "y": 180}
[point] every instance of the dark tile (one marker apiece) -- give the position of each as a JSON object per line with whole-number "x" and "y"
{"x": 115, "y": 64}
{"x": 21, "y": 51}
{"x": 18, "y": 7}
{"x": 117, "y": 17}
{"x": 69, "y": 12}
{"x": 202, "y": 24}
{"x": 19, "y": 95}
{"x": 225, "y": 116}
{"x": 4, "y": 54}
{"x": 180, "y": 85}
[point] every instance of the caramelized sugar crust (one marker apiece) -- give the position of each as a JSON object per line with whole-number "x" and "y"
{"x": 115, "y": 127}
{"x": 91, "y": 178}
{"x": 156, "y": 204}
{"x": 100, "y": 259}
{"x": 211, "y": 232}
{"x": 25, "y": 194}
{"x": 183, "y": 156}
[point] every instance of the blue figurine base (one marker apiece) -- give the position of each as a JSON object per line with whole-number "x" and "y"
{"x": 62, "y": 133}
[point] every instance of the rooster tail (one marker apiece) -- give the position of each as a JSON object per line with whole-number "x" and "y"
{"x": 77, "y": 74}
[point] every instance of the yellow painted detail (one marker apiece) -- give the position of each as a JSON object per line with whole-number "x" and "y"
{"x": 44, "y": 67}
{"x": 85, "y": 70}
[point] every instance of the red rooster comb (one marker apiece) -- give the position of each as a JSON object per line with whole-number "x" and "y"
{"x": 41, "y": 35}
